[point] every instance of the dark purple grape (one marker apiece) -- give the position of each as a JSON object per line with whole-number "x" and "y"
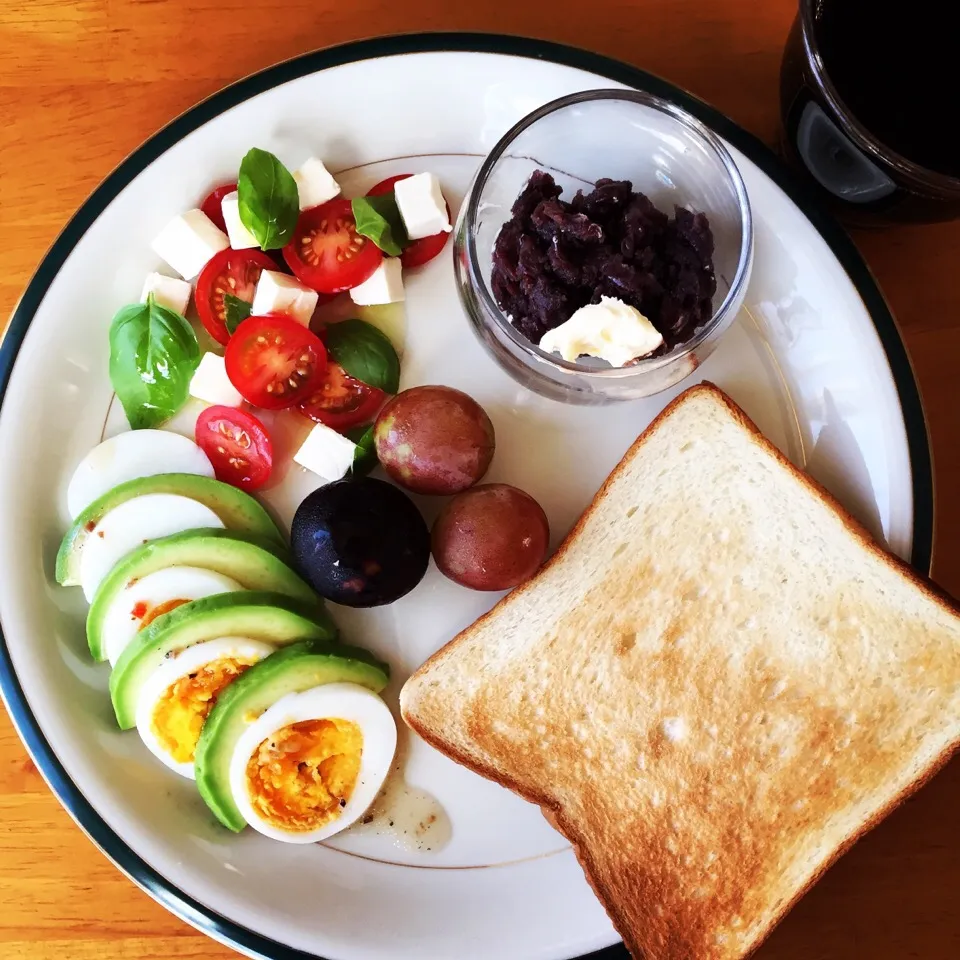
{"x": 361, "y": 543}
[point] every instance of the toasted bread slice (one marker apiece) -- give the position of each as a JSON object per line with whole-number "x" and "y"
{"x": 716, "y": 685}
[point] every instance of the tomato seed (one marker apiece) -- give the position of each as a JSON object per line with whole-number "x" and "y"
{"x": 271, "y": 387}
{"x": 294, "y": 383}
{"x": 302, "y": 371}
{"x": 304, "y": 357}
{"x": 233, "y": 282}
{"x": 261, "y": 339}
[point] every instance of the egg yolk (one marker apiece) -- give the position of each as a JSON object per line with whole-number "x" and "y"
{"x": 146, "y": 614}
{"x": 300, "y": 778}
{"x": 181, "y": 709}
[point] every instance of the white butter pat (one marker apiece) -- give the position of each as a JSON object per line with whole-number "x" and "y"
{"x": 212, "y": 385}
{"x": 169, "y": 292}
{"x": 611, "y": 330}
{"x": 421, "y": 205}
{"x": 315, "y": 184}
{"x": 188, "y": 241}
{"x": 240, "y": 237}
{"x": 384, "y": 286}
{"x": 278, "y": 293}
{"x": 326, "y": 453}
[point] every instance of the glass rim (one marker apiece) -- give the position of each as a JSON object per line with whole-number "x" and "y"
{"x": 863, "y": 138}
{"x": 709, "y": 140}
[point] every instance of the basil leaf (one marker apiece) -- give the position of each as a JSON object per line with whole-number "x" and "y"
{"x": 378, "y": 218}
{"x": 365, "y": 456}
{"x": 365, "y": 353}
{"x": 235, "y": 311}
{"x": 153, "y": 356}
{"x": 268, "y": 199}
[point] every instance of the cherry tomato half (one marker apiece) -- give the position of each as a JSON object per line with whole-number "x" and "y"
{"x": 238, "y": 446}
{"x": 211, "y": 205}
{"x": 275, "y": 362}
{"x": 326, "y": 251}
{"x": 420, "y": 251}
{"x": 341, "y": 401}
{"x": 233, "y": 272}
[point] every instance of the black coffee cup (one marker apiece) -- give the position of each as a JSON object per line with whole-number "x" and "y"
{"x": 869, "y": 100}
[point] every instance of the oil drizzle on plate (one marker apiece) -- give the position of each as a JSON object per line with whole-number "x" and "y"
{"x": 410, "y": 817}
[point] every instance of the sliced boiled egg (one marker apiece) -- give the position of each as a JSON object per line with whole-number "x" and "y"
{"x": 134, "y": 523}
{"x": 141, "y": 602}
{"x": 128, "y": 456}
{"x": 178, "y": 695}
{"x": 311, "y": 765}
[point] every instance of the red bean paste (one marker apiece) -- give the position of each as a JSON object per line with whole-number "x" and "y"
{"x": 553, "y": 257}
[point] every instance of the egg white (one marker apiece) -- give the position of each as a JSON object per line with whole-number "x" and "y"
{"x": 161, "y": 586}
{"x": 170, "y": 671}
{"x": 336, "y": 701}
{"x": 129, "y": 456}
{"x": 132, "y": 524}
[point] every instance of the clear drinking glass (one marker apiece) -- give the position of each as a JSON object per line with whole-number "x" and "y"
{"x": 624, "y": 135}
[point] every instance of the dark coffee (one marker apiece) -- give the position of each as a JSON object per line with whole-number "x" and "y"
{"x": 868, "y": 99}
{"x": 896, "y": 67}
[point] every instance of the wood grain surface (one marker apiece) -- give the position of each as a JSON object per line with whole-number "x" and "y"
{"x": 83, "y": 83}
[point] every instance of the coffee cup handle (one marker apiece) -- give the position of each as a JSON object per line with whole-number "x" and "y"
{"x": 835, "y": 162}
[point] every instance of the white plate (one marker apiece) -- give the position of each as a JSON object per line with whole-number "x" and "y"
{"x": 814, "y": 358}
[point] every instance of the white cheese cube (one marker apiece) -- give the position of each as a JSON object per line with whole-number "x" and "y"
{"x": 384, "y": 286}
{"x": 188, "y": 241}
{"x": 240, "y": 237}
{"x": 422, "y": 206}
{"x": 167, "y": 291}
{"x": 212, "y": 385}
{"x": 278, "y": 293}
{"x": 315, "y": 184}
{"x": 326, "y": 453}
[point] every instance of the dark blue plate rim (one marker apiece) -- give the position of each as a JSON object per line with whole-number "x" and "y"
{"x": 841, "y": 245}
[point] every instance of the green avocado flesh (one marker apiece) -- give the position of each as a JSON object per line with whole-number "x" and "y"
{"x": 237, "y": 510}
{"x": 294, "y": 669}
{"x": 255, "y": 563}
{"x": 254, "y": 615}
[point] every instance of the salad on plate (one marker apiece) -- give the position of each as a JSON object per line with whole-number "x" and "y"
{"x": 210, "y": 614}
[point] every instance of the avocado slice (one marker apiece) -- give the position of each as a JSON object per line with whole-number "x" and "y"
{"x": 237, "y": 510}
{"x": 293, "y": 669}
{"x": 256, "y": 615}
{"x": 255, "y": 563}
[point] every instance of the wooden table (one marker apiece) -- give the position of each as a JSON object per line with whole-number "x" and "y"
{"x": 83, "y": 83}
